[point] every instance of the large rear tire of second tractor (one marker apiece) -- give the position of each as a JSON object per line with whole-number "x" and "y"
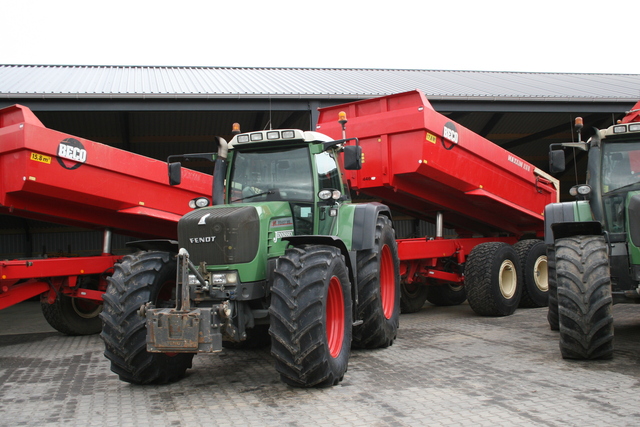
{"x": 311, "y": 316}
{"x": 584, "y": 298}
{"x": 552, "y": 314}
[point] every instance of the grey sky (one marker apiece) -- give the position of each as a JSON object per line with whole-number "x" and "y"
{"x": 489, "y": 35}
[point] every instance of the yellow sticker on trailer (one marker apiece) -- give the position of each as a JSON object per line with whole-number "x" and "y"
{"x": 40, "y": 158}
{"x": 431, "y": 138}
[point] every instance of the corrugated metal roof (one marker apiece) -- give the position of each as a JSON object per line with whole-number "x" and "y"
{"x": 49, "y": 81}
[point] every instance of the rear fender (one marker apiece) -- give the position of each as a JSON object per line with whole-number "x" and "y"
{"x": 569, "y": 219}
{"x": 364, "y": 224}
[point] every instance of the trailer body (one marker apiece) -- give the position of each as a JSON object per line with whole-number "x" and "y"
{"x": 60, "y": 178}
{"x": 424, "y": 165}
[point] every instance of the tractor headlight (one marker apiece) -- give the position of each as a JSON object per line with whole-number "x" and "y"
{"x": 226, "y": 278}
{"x": 580, "y": 190}
{"x": 329, "y": 194}
{"x": 199, "y": 202}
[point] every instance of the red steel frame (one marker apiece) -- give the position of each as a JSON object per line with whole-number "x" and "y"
{"x": 56, "y": 177}
{"x": 419, "y": 162}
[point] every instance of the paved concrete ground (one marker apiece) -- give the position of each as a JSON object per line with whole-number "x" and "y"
{"x": 448, "y": 367}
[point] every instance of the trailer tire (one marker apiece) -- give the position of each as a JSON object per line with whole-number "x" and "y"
{"x": 447, "y": 294}
{"x": 584, "y": 298}
{"x": 535, "y": 273}
{"x": 73, "y": 316}
{"x": 378, "y": 290}
{"x": 139, "y": 278}
{"x": 552, "y": 314}
{"x": 493, "y": 280}
{"x": 412, "y": 296}
{"x": 311, "y": 316}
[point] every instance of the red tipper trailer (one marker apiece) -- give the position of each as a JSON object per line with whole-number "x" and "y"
{"x": 421, "y": 163}
{"x": 56, "y": 177}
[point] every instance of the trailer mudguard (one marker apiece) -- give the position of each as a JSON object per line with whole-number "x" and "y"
{"x": 569, "y": 219}
{"x": 364, "y": 224}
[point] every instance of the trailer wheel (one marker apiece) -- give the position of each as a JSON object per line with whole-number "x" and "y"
{"x": 412, "y": 296}
{"x": 446, "y": 295}
{"x": 492, "y": 279}
{"x": 74, "y": 316}
{"x": 140, "y": 278}
{"x": 378, "y": 290}
{"x": 311, "y": 316}
{"x": 552, "y": 314}
{"x": 535, "y": 276}
{"x": 584, "y": 298}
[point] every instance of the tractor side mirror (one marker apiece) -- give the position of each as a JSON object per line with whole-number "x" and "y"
{"x": 556, "y": 161}
{"x": 175, "y": 173}
{"x": 353, "y": 157}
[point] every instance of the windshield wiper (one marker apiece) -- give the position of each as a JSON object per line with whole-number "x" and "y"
{"x": 254, "y": 195}
{"x": 624, "y": 188}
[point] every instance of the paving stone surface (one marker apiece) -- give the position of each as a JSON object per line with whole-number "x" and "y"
{"x": 448, "y": 367}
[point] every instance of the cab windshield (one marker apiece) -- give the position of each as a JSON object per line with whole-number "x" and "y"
{"x": 272, "y": 175}
{"x": 620, "y": 165}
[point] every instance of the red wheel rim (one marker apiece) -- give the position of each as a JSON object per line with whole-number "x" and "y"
{"x": 335, "y": 317}
{"x": 387, "y": 282}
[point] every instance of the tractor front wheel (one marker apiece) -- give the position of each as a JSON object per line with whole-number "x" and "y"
{"x": 311, "y": 316}
{"x": 140, "y": 278}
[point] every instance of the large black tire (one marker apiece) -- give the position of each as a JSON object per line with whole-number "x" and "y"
{"x": 446, "y": 295}
{"x": 535, "y": 277}
{"x": 493, "y": 280}
{"x": 413, "y": 296}
{"x": 140, "y": 278}
{"x": 311, "y": 316}
{"x": 552, "y": 314}
{"x": 74, "y": 316}
{"x": 378, "y": 290}
{"x": 584, "y": 298}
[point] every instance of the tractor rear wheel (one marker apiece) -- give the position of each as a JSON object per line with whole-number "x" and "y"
{"x": 492, "y": 279}
{"x": 535, "y": 276}
{"x": 311, "y": 316}
{"x": 74, "y": 316}
{"x": 584, "y": 298}
{"x": 140, "y": 278}
{"x": 378, "y": 290}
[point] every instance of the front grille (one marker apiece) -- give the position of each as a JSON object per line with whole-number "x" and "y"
{"x": 218, "y": 236}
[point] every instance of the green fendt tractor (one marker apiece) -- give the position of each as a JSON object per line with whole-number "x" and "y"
{"x": 282, "y": 256}
{"x": 594, "y": 242}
